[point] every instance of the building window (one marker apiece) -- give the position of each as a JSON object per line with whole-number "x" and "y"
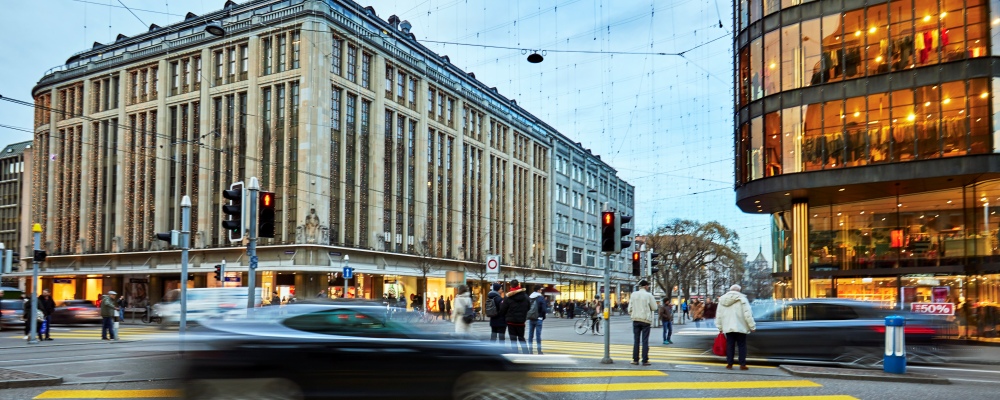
{"x": 352, "y": 63}
{"x": 282, "y": 51}
{"x": 268, "y": 55}
{"x": 336, "y": 58}
{"x": 413, "y": 93}
{"x": 561, "y": 250}
{"x": 296, "y": 38}
{"x": 577, "y": 256}
{"x": 366, "y": 66}
{"x": 389, "y": 74}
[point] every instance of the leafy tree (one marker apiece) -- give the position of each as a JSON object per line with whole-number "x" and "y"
{"x": 690, "y": 249}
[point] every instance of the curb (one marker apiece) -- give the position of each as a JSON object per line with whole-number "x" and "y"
{"x": 26, "y": 383}
{"x": 862, "y": 374}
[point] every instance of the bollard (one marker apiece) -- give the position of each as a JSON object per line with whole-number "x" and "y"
{"x": 894, "y": 361}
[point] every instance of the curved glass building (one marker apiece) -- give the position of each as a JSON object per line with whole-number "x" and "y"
{"x": 868, "y": 130}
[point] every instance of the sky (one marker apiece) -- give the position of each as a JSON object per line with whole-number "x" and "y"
{"x": 647, "y": 85}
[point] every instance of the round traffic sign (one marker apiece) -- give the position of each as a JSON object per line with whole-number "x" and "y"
{"x": 492, "y": 264}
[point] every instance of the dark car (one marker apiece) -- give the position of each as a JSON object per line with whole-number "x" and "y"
{"x": 11, "y": 311}
{"x": 834, "y": 330}
{"x": 76, "y": 312}
{"x": 343, "y": 350}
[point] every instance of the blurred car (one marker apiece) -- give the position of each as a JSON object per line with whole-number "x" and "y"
{"x": 837, "y": 330}
{"x": 344, "y": 349}
{"x": 11, "y": 311}
{"x": 76, "y": 312}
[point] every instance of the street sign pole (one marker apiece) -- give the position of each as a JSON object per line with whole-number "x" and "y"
{"x": 185, "y": 242}
{"x": 254, "y": 187}
{"x": 32, "y": 338}
{"x": 607, "y": 304}
{"x": 347, "y": 267}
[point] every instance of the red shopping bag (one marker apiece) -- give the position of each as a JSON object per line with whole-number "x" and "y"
{"x": 719, "y": 347}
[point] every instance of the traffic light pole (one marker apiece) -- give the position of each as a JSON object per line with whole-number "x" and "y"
{"x": 607, "y": 311}
{"x": 32, "y": 337}
{"x": 254, "y": 187}
{"x": 185, "y": 243}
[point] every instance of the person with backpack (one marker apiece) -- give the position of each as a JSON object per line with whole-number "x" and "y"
{"x": 515, "y": 311}
{"x": 463, "y": 314}
{"x": 666, "y": 315}
{"x": 536, "y": 314}
{"x": 498, "y": 326}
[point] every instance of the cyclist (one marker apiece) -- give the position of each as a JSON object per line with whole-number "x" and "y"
{"x": 597, "y": 309}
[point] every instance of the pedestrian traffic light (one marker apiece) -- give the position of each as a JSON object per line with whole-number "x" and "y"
{"x": 234, "y": 222}
{"x": 40, "y": 255}
{"x": 608, "y": 231}
{"x": 265, "y": 215}
{"x": 653, "y": 263}
{"x": 173, "y": 237}
{"x": 636, "y": 264}
{"x": 622, "y": 233}
{"x": 218, "y": 272}
{"x": 15, "y": 262}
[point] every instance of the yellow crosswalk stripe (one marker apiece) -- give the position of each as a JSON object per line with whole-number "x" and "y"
{"x": 820, "y": 397}
{"x": 595, "y": 374}
{"x": 110, "y": 394}
{"x": 632, "y": 386}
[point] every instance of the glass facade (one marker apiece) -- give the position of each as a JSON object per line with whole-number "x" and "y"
{"x": 826, "y": 85}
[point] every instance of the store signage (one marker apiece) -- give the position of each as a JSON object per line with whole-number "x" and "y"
{"x": 454, "y": 279}
{"x": 289, "y": 252}
{"x": 137, "y": 280}
{"x": 334, "y": 253}
{"x": 933, "y": 308}
{"x": 232, "y": 279}
{"x": 493, "y": 267}
{"x": 62, "y": 281}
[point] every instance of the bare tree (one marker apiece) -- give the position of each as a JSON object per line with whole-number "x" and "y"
{"x": 688, "y": 249}
{"x": 757, "y": 281}
{"x": 426, "y": 264}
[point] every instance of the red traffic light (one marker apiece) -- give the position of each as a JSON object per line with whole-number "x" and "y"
{"x": 607, "y": 218}
{"x": 266, "y": 199}
{"x": 635, "y": 256}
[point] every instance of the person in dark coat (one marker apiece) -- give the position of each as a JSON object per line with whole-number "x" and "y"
{"x": 498, "y": 323}
{"x": 29, "y": 313}
{"x": 48, "y": 306}
{"x": 571, "y": 308}
{"x": 441, "y": 309}
{"x": 515, "y": 311}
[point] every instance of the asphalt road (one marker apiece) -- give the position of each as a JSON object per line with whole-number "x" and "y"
{"x": 99, "y": 369}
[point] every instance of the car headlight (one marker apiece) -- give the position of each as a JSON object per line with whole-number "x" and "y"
{"x": 539, "y": 359}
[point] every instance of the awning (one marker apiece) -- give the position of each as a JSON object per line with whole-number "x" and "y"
{"x": 550, "y": 290}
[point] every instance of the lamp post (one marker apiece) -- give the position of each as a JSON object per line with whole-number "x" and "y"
{"x": 32, "y": 338}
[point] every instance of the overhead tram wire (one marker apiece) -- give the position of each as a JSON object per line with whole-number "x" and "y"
{"x": 202, "y": 145}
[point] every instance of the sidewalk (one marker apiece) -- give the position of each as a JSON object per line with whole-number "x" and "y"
{"x": 11, "y": 379}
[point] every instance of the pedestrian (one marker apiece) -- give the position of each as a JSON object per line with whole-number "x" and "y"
{"x": 697, "y": 312}
{"x": 462, "y": 303}
{"x": 571, "y": 309}
{"x": 440, "y": 307}
{"x": 498, "y": 325}
{"x": 29, "y": 313}
{"x": 710, "y": 309}
{"x": 667, "y": 318}
{"x": 107, "y": 314}
{"x": 684, "y": 310}
{"x": 122, "y": 303}
{"x": 535, "y": 319}
{"x": 515, "y": 311}
{"x": 448, "y": 304}
{"x": 47, "y": 306}
{"x": 640, "y": 308}
{"x": 735, "y": 318}
{"x": 99, "y": 297}
{"x": 595, "y": 310}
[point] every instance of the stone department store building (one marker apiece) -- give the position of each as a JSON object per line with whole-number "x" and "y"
{"x": 376, "y": 147}
{"x": 868, "y": 130}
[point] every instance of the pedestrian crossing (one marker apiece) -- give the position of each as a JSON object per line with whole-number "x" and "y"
{"x": 128, "y": 332}
{"x": 607, "y": 383}
{"x": 657, "y": 354}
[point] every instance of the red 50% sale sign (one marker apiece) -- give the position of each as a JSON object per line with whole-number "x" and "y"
{"x": 933, "y": 308}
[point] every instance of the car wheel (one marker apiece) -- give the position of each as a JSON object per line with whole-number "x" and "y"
{"x": 256, "y": 389}
{"x": 480, "y": 385}
{"x": 864, "y": 357}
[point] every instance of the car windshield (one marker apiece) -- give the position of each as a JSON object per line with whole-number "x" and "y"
{"x": 349, "y": 322}
{"x": 806, "y": 311}
{"x": 78, "y": 303}
{"x": 12, "y": 305}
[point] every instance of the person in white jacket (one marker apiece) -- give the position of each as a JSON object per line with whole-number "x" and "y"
{"x": 462, "y": 302}
{"x": 641, "y": 308}
{"x": 735, "y": 318}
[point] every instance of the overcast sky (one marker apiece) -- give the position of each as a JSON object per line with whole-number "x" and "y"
{"x": 665, "y": 122}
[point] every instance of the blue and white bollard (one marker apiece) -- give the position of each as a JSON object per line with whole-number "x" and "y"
{"x": 894, "y": 361}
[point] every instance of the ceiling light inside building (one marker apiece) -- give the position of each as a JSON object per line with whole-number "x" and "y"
{"x": 911, "y": 117}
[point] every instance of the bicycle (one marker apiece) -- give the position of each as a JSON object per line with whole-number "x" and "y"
{"x": 585, "y": 323}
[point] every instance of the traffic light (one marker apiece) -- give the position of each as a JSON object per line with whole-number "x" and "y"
{"x": 608, "y": 232}
{"x": 653, "y": 263}
{"x": 622, "y": 233}
{"x": 636, "y": 264}
{"x": 234, "y": 223}
{"x": 40, "y": 255}
{"x": 218, "y": 272}
{"x": 173, "y": 237}
{"x": 16, "y": 261}
{"x": 265, "y": 215}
